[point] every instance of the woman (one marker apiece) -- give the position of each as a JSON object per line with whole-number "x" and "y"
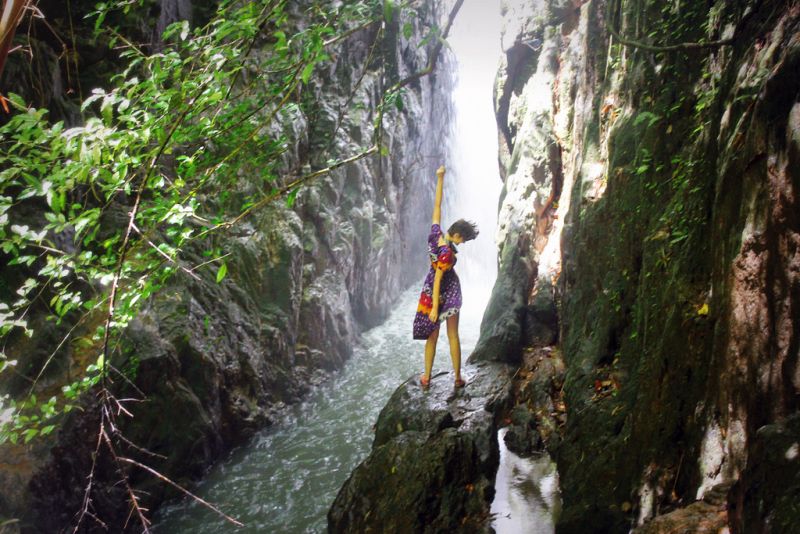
{"x": 441, "y": 292}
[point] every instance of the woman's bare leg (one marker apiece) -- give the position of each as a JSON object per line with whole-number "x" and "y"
{"x": 455, "y": 344}
{"x": 430, "y": 352}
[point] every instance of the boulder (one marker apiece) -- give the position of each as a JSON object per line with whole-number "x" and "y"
{"x": 433, "y": 461}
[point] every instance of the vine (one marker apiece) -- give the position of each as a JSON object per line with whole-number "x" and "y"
{"x": 615, "y": 5}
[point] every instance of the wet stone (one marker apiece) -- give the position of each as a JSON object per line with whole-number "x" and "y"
{"x": 433, "y": 461}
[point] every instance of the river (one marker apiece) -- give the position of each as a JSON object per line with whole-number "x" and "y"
{"x": 286, "y": 477}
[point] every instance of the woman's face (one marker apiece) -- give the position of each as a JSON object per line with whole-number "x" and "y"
{"x": 456, "y": 238}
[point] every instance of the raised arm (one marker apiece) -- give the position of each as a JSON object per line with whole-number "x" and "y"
{"x": 437, "y": 204}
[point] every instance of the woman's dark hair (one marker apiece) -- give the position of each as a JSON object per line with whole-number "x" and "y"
{"x": 466, "y": 229}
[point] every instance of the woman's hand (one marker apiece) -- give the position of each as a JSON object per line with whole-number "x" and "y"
{"x": 433, "y": 315}
{"x": 440, "y": 172}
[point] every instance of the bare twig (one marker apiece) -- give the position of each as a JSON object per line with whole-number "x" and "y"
{"x": 131, "y": 444}
{"x": 434, "y": 57}
{"x": 432, "y": 61}
{"x": 182, "y": 489}
{"x": 290, "y": 186}
{"x": 121, "y": 408}
{"x": 350, "y": 32}
{"x": 134, "y": 500}
{"x": 61, "y": 344}
{"x": 87, "y": 493}
{"x": 127, "y": 380}
{"x": 214, "y": 260}
{"x": 165, "y": 255}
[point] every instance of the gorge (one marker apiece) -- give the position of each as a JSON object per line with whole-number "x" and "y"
{"x": 642, "y": 329}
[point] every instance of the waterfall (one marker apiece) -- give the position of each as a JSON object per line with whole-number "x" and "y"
{"x": 473, "y": 184}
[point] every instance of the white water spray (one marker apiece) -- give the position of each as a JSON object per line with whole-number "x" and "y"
{"x": 472, "y": 185}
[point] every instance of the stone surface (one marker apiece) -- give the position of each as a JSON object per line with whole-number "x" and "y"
{"x": 433, "y": 460}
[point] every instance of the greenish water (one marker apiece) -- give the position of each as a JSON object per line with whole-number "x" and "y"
{"x": 286, "y": 477}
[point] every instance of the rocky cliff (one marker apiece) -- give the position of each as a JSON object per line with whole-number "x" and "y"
{"x": 215, "y": 361}
{"x": 651, "y": 192}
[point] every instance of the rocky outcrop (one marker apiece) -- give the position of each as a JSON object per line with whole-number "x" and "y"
{"x": 433, "y": 460}
{"x": 708, "y": 515}
{"x": 522, "y": 308}
{"x": 215, "y": 361}
{"x": 673, "y": 173}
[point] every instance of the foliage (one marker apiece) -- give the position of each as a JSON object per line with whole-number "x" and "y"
{"x": 154, "y": 169}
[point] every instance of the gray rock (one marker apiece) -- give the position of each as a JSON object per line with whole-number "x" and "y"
{"x": 433, "y": 460}
{"x": 767, "y": 496}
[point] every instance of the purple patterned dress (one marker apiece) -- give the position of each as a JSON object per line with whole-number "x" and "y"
{"x": 444, "y": 258}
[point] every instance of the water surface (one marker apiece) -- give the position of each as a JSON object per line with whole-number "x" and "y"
{"x": 287, "y": 476}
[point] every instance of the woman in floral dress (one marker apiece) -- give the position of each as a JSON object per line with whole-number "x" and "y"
{"x": 441, "y": 292}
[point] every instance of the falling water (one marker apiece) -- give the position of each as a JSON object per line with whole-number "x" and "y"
{"x": 473, "y": 182}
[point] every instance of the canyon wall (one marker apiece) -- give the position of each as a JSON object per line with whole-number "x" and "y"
{"x": 217, "y": 361}
{"x": 650, "y": 230}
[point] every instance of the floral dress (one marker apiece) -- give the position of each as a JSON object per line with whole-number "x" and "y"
{"x": 444, "y": 258}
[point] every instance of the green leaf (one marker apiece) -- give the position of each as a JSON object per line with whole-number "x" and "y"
{"x": 290, "y": 199}
{"x": 223, "y": 270}
{"x": 30, "y": 434}
{"x": 651, "y": 118}
{"x": 17, "y": 100}
{"x": 307, "y": 71}
{"x": 408, "y": 30}
{"x": 388, "y": 11}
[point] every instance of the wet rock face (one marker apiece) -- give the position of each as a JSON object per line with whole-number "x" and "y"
{"x": 433, "y": 460}
{"x": 766, "y": 497}
{"x": 521, "y": 310}
{"x": 651, "y": 199}
{"x": 217, "y": 361}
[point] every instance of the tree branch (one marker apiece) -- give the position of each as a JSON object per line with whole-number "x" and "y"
{"x": 349, "y": 32}
{"x": 434, "y": 57}
{"x": 10, "y": 15}
{"x": 292, "y": 185}
{"x": 182, "y": 489}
